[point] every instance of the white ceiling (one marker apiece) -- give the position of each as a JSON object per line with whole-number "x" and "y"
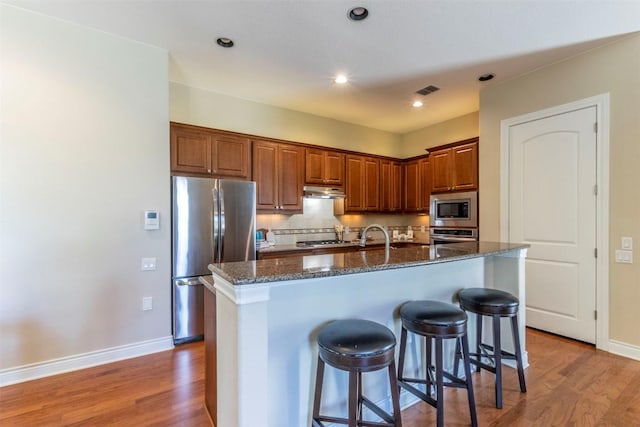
{"x": 286, "y": 53}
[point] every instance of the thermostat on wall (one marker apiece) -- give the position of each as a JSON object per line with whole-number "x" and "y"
{"x": 151, "y": 220}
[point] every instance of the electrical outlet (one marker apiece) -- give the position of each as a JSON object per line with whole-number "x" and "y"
{"x": 147, "y": 303}
{"x": 625, "y": 257}
{"x": 148, "y": 264}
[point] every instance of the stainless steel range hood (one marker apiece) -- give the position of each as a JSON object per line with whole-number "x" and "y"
{"x": 312, "y": 192}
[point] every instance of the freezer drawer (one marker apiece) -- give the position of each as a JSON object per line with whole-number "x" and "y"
{"x": 188, "y": 310}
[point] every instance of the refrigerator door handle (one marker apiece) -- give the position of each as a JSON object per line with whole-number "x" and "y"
{"x": 215, "y": 242}
{"x": 222, "y": 224}
{"x": 188, "y": 282}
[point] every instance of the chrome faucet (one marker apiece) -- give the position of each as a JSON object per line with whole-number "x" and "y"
{"x": 363, "y": 236}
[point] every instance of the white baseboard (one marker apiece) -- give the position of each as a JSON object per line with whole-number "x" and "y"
{"x": 80, "y": 361}
{"x": 624, "y": 349}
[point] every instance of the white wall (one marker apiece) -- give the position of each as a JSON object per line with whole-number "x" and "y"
{"x": 205, "y": 108}
{"x": 459, "y": 128}
{"x": 84, "y": 149}
{"x": 613, "y": 69}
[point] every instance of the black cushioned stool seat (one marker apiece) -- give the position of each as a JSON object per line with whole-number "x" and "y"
{"x": 357, "y": 346}
{"x": 436, "y": 321}
{"x": 495, "y": 304}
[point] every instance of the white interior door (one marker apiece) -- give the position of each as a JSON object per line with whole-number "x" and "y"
{"x": 552, "y": 207}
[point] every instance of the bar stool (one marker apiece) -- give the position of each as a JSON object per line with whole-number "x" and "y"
{"x": 437, "y": 321}
{"x": 495, "y": 304}
{"x": 357, "y": 346}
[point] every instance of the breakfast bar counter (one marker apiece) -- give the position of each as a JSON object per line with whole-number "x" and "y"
{"x": 268, "y": 313}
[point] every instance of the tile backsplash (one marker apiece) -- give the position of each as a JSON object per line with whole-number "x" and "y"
{"x": 317, "y": 222}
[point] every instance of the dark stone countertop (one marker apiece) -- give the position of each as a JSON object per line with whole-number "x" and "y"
{"x": 307, "y": 267}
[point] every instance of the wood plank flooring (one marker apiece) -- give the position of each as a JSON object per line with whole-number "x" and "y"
{"x": 569, "y": 384}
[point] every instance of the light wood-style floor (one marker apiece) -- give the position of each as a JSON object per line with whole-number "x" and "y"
{"x": 569, "y": 384}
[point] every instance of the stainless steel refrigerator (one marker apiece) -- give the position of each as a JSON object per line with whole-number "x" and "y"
{"x": 213, "y": 221}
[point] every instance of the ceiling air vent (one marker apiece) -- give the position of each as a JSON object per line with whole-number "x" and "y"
{"x": 427, "y": 90}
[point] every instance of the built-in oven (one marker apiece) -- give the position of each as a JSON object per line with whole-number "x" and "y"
{"x": 454, "y": 210}
{"x": 439, "y": 236}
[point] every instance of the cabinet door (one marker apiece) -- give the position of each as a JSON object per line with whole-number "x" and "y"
{"x": 425, "y": 184}
{"x": 231, "y": 156}
{"x": 371, "y": 184}
{"x": 265, "y": 176}
{"x": 354, "y": 183}
{"x": 334, "y": 168}
{"x": 465, "y": 167}
{"x": 314, "y": 166}
{"x": 441, "y": 170}
{"x": 396, "y": 187}
{"x": 390, "y": 186}
{"x": 190, "y": 151}
{"x": 290, "y": 177}
{"x": 412, "y": 202}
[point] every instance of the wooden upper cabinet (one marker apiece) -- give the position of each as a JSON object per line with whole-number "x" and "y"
{"x": 354, "y": 200}
{"x": 231, "y": 156}
{"x": 278, "y": 173}
{"x": 290, "y": 177}
{"x": 390, "y": 186}
{"x": 190, "y": 151}
{"x": 324, "y": 167}
{"x": 362, "y": 186}
{"x": 371, "y": 184}
{"x": 417, "y": 185}
{"x": 426, "y": 182}
{"x": 455, "y": 168}
{"x": 465, "y": 167}
{"x": 200, "y": 151}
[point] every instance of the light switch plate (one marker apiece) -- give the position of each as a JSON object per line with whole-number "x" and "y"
{"x": 148, "y": 264}
{"x": 627, "y": 243}
{"x": 624, "y": 257}
{"x": 147, "y": 303}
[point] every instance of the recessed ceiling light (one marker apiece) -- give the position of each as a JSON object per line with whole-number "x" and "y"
{"x": 341, "y": 79}
{"x": 486, "y": 77}
{"x": 224, "y": 42}
{"x": 417, "y": 104}
{"x": 358, "y": 13}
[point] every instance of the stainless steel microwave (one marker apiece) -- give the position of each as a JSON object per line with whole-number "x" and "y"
{"x": 454, "y": 209}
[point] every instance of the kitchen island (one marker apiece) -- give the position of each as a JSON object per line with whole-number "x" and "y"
{"x": 268, "y": 313}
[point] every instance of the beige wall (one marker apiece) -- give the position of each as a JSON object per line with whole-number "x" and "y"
{"x": 84, "y": 149}
{"x": 210, "y": 109}
{"x": 463, "y": 127}
{"x": 613, "y": 69}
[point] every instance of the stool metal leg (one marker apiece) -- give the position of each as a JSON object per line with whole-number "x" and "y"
{"x": 467, "y": 373}
{"x": 318, "y": 392}
{"x": 439, "y": 383}
{"x": 478, "y": 339}
{"x": 403, "y": 345}
{"x": 518, "y": 352}
{"x": 353, "y": 399}
{"x": 428, "y": 346}
{"x": 395, "y": 395}
{"x": 497, "y": 357}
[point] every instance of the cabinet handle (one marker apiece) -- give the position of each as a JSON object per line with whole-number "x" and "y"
{"x": 209, "y": 170}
